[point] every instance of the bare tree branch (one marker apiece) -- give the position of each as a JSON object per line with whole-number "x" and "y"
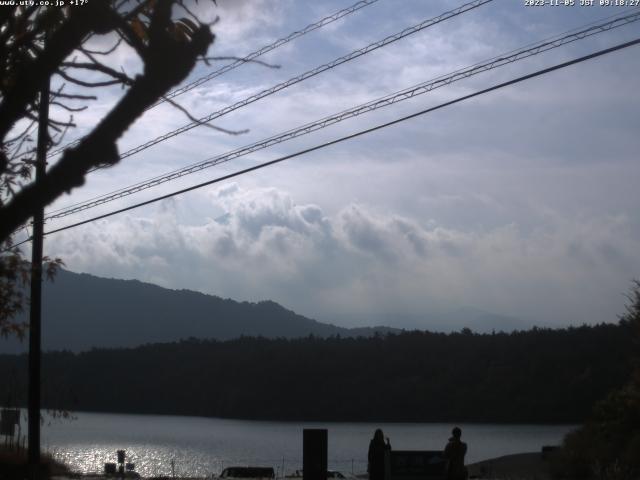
{"x": 68, "y": 108}
{"x": 11, "y": 140}
{"x": 99, "y": 67}
{"x": 83, "y": 83}
{"x": 130, "y": 37}
{"x": 94, "y": 16}
{"x": 103, "y": 52}
{"x": 245, "y": 60}
{"x": 168, "y": 60}
{"x": 74, "y": 96}
{"x": 55, "y": 124}
{"x": 205, "y": 124}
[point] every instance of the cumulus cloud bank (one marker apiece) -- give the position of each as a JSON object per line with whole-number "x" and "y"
{"x": 522, "y": 202}
{"x": 359, "y": 262}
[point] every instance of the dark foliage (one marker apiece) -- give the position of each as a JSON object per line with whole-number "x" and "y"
{"x": 607, "y": 446}
{"x": 13, "y": 465}
{"x": 534, "y": 376}
{"x": 15, "y": 275}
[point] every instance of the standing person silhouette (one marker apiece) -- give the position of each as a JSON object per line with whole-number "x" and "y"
{"x": 455, "y": 451}
{"x": 378, "y": 446}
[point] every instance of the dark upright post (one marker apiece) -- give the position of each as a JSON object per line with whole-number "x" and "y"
{"x": 36, "y": 293}
{"x": 314, "y": 454}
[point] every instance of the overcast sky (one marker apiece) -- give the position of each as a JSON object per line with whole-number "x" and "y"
{"x": 522, "y": 202}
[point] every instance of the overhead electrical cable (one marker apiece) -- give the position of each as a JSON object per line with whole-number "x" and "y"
{"x": 425, "y": 87}
{"x": 308, "y": 74}
{"x": 420, "y": 89}
{"x": 354, "y": 135}
{"x": 248, "y": 58}
{"x": 268, "y": 48}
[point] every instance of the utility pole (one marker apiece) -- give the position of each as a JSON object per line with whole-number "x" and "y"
{"x": 36, "y": 292}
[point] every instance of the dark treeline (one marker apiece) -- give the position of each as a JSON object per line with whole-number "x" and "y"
{"x": 539, "y": 375}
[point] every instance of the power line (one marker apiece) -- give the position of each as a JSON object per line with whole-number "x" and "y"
{"x": 420, "y": 89}
{"x": 278, "y": 43}
{"x": 354, "y": 135}
{"x": 354, "y": 54}
{"x": 248, "y": 58}
{"x": 308, "y": 74}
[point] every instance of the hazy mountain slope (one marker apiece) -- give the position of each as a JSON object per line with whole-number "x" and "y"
{"x": 82, "y": 311}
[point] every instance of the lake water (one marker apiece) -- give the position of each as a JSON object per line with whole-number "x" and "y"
{"x": 203, "y": 446}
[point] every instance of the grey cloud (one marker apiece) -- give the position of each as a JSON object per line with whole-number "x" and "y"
{"x": 522, "y": 202}
{"x": 363, "y": 233}
{"x": 414, "y": 235}
{"x": 229, "y": 190}
{"x": 311, "y": 213}
{"x": 358, "y": 261}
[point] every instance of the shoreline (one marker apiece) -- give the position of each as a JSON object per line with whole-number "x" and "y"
{"x": 527, "y": 465}
{"x": 327, "y": 420}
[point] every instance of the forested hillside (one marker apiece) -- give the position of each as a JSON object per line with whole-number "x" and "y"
{"x": 532, "y": 376}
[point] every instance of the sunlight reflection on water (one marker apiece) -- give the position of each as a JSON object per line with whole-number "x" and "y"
{"x": 204, "y": 446}
{"x": 149, "y": 460}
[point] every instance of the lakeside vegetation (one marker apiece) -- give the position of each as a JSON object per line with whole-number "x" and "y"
{"x": 607, "y": 446}
{"x": 535, "y": 376}
{"x": 13, "y": 464}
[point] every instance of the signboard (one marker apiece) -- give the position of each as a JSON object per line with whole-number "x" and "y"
{"x": 314, "y": 454}
{"x": 416, "y": 465}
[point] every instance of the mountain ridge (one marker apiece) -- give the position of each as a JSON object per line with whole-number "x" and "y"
{"x": 83, "y": 311}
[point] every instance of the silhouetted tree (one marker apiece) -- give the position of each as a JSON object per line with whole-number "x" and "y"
{"x": 42, "y": 43}
{"x": 607, "y": 446}
{"x": 15, "y": 273}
